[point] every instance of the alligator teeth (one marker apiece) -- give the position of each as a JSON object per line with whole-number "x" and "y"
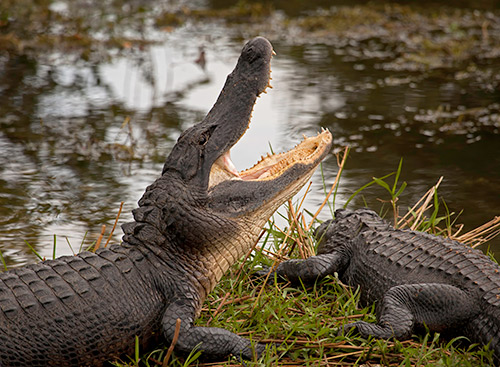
{"x": 273, "y": 164}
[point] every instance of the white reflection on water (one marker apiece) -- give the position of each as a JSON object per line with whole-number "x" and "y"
{"x": 272, "y": 124}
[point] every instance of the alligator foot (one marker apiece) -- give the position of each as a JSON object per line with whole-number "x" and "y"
{"x": 365, "y": 329}
{"x": 250, "y": 353}
{"x": 215, "y": 343}
{"x": 263, "y": 272}
{"x": 305, "y": 271}
{"x": 268, "y": 275}
{"x": 437, "y": 306}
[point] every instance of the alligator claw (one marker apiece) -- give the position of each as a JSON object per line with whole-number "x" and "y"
{"x": 264, "y": 273}
{"x": 367, "y": 330}
{"x": 260, "y": 348}
{"x": 251, "y": 353}
{"x": 345, "y": 329}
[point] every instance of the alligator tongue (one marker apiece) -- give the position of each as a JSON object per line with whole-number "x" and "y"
{"x": 228, "y": 164}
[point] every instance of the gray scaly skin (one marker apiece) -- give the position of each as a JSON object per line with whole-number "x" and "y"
{"x": 192, "y": 224}
{"x": 416, "y": 279}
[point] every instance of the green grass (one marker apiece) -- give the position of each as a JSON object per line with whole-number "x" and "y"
{"x": 301, "y": 325}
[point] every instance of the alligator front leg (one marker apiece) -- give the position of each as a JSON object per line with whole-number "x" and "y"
{"x": 215, "y": 343}
{"x": 312, "y": 268}
{"x": 437, "y": 306}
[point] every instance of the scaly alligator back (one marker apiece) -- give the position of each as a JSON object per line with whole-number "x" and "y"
{"x": 416, "y": 279}
{"x": 83, "y": 301}
{"x": 382, "y": 260}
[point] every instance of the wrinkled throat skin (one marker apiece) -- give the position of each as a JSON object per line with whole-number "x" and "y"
{"x": 198, "y": 218}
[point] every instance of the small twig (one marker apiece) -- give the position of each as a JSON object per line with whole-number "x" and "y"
{"x": 491, "y": 236}
{"x": 273, "y": 267}
{"x": 343, "y": 355}
{"x": 403, "y": 221}
{"x": 299, "y": 231}
{"x": 271, "y": 254}
{"x": 426, "y": 198}
{"x": 114, "y": 225}
{"x": 459, "y": 229}
{"x": 304, "y": 250}
{"x": 155, "y": 361}
{"x": 222, "y": 302}
{"x": 284, "y": 242}
{"x": 174, "y": 341}
{"x": 98, "y": 242}
{"x": 422, "y": 209}
{"x": 309, "y": 242}
{"x": 248, "y": 254}
{"x": 481, "y": 234}
{"x": 304, "y": 196}
{"x": 234, "y": 300}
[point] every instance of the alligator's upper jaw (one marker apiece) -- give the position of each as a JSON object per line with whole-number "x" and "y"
{"x": 256, "y": 192}
{"x": 200, "y": 146}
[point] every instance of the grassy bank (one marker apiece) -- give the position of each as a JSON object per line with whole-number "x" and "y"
{"x": 301, "y": 323}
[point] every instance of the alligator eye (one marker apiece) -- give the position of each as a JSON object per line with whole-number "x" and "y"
{"x": 203, "y": 139}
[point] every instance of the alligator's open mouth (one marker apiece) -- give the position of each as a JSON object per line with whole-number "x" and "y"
{"x": 248, "y": 80}
{"x": 272, "y": 166}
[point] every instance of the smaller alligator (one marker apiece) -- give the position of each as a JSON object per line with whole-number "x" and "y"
{"x": 417, "y": 279}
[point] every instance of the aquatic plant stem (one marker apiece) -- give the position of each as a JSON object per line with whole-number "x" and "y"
{"x": 114, "y": 225}
{"x": 98, "y": 242}
{"x": 335, "y": 183}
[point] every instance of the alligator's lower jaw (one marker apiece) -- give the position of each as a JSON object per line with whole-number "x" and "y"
{"x": 308, "y": 152}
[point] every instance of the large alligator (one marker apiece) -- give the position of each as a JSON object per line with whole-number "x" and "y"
{"x": 417, "y": 279}
{"x": 192, "y": 224}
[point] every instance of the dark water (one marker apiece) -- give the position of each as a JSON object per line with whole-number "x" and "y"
{"x": 77, "y": 138}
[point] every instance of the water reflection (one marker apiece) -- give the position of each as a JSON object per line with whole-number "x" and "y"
{"x": 79, "y": 138}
